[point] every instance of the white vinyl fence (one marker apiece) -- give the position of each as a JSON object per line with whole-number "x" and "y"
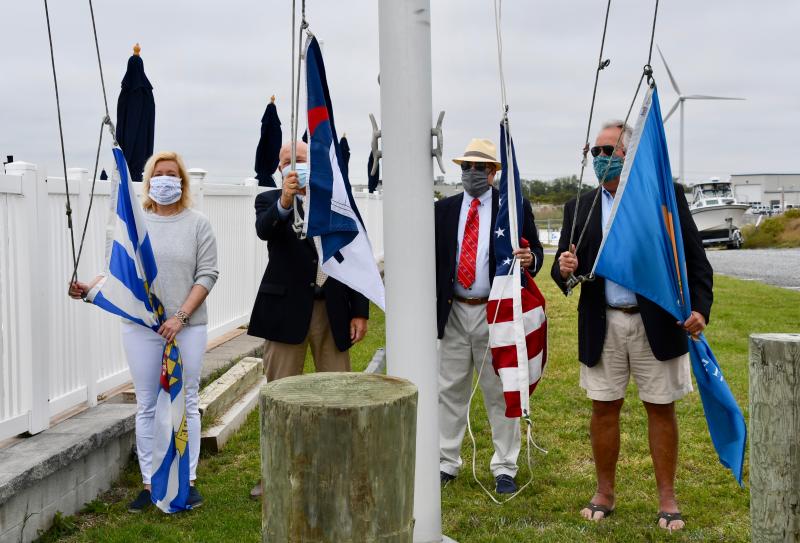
{"x": 57, "y": 353}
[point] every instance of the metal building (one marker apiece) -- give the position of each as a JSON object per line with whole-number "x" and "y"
{"x": 767, "y": 189}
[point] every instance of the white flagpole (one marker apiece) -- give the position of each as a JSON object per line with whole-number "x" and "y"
{"x": 411, "y": 353}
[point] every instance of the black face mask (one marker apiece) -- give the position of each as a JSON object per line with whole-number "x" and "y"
{"x": 475, "y": 182}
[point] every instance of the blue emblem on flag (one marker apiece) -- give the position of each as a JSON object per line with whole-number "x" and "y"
{"x": 127, "y": 291}
{"x": 642, "y": 250}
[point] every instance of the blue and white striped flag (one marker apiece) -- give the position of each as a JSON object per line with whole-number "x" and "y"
{"x": 127, "y": 290}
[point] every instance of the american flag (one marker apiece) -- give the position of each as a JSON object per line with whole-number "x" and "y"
{"x": 516, "y": 308}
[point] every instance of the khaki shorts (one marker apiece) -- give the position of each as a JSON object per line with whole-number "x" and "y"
{"x": 627, "y": 353}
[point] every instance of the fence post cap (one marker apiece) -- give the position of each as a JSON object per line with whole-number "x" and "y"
{"x": 20, "y": 166}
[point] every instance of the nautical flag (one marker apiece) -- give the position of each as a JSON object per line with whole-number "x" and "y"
{"x": 331, "y": 211}
{"x": 128, "y": 290}
{"x": 515, "y": 312}
{"x": 642, "y": 250}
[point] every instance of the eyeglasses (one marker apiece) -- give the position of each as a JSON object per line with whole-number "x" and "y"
{"x": 607, "y": 150}
{"x": 479, "y": 166}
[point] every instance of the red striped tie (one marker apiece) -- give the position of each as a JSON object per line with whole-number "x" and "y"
{"x": 469, "y": 246}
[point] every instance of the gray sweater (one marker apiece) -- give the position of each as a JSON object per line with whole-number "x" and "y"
{"x": 186, "y": 254}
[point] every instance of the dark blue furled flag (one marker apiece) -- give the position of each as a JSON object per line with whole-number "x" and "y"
{"x": 136, "y": 117}
{"x": 642, "y": 250}
{"x": 269, "y": 146}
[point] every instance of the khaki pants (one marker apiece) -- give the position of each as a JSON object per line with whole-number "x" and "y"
{"x": 284, "y": 359}
{"x": 461, "y": 350}
{"x": 626, "y": 354}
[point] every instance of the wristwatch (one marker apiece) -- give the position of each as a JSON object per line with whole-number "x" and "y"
{"x": 182, "y": 317}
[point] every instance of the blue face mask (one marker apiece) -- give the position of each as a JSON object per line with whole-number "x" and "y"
{"x": 611, "y": 163}
{"x": 302, "y": 173}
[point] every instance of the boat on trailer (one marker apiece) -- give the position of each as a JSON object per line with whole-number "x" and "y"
{"x": 717, "y": 214}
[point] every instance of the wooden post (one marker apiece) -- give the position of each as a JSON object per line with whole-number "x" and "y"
{"x": 775, "y": 437}
{"x": 337, "y": 458}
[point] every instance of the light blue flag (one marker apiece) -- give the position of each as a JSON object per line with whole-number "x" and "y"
{"x": 642, "y": 250}
{"x": 127, "y": 290}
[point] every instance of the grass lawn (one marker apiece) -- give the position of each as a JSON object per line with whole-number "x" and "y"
{"x": 714, "y": 507}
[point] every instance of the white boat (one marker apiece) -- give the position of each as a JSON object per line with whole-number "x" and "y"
{"x": 716, "y": 213}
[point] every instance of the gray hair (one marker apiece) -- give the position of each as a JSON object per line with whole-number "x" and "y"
{"x": 627, "y": 131}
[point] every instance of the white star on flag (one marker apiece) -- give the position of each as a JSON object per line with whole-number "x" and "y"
{"x": 506, "y": 262}
{"x": 500, "y": 232}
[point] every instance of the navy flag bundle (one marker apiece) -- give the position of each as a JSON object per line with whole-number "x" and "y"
{"x": 515, "y": 312}
{"x": 331, "y": 211}
{"x": 643, "y": 250}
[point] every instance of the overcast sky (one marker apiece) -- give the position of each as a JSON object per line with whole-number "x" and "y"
{"x": 214, "y": 65}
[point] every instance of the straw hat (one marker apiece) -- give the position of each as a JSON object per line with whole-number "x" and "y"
{"x": 479, "y": 150}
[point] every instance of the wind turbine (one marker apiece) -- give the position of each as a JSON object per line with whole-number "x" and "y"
{"x": 679, "y": 102}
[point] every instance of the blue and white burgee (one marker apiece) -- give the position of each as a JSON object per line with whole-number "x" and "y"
{"x": 129, "y": 291}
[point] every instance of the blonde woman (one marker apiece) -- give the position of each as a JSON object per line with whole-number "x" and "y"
{"x": 185, "y": 250}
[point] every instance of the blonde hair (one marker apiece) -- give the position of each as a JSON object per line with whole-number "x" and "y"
{"x": 149, "y": 168}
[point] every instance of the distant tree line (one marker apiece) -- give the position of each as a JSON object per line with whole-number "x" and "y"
{"x": 560, "y": 190}
{"x": 557, "y": 192}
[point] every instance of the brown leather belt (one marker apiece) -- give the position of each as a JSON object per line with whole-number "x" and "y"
{"x": 630, "y": 310}
{"x": 471, "y": 301}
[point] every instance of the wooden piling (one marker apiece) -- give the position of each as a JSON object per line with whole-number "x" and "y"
{"x": 337, "y": 458}
{"x": 775, "y": 437}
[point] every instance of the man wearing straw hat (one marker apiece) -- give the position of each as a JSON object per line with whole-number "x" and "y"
{"x": 465, "y": 268}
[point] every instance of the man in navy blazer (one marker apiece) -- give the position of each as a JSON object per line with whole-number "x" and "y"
{"x": 297, "y": 305}
{"x": 622, "y": 334}
{"x": 465, "y": 267}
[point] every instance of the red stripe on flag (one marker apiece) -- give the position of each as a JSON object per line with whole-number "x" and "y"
{"x": 506, "y": 356}
{"x": 315, "y": 116}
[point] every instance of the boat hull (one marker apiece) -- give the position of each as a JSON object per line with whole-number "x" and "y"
{"x": 711, "y": 221}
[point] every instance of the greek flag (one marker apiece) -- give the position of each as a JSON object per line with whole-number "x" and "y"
{"x": 127, "y": 290}
{"x": 642, "y": 250}
{"x": 332, "y": 212}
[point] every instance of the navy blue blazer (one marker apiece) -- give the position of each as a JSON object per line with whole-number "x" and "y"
{"x": 447, "y": 213}
{"x": 667, "y": 339}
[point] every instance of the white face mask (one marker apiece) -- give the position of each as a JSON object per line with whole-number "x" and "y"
{"x": 165, "y": 189}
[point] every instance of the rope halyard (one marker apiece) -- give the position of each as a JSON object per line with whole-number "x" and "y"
{"x": 61, "y": 138}
{"x": 601, "y": 65}
{"x": 526, "y": 418}
{"x": 106, "y": 122}
{"x": 297, "y": 224}
{"x": 498, "y": 7}
{"x": 647, "y": 74}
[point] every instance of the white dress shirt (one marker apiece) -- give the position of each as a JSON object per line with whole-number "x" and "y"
{"x": 616, "y": 295}
{"x": 481, "y": 287}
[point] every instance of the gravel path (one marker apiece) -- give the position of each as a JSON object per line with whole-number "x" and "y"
{"x": 779, "y": 267}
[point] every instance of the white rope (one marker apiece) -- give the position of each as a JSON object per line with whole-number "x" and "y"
{"x": 529, "y": 439}
{"x": 297, "y": 224}
{"x": 498, "y": 14}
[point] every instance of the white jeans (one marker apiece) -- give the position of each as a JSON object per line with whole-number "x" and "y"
{"x": 461, "y": 351}
{"x": 144, "y": 348}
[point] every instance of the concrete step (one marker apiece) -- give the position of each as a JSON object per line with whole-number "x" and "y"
{"x": 217, "y": 397}
{"x": 214, "y": 438}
